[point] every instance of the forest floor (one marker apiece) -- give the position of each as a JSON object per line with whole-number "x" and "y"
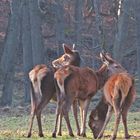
{"x": 14, "y": 125}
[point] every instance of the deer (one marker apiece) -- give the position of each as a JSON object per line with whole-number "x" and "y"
{"x": 118, "y": 95}
{"x": 43, "y": 86}
{"x": 76, "y": 83}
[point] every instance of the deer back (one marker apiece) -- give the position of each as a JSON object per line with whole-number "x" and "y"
{"x": 81, "y": 82}
{"x": 118, "y": 86}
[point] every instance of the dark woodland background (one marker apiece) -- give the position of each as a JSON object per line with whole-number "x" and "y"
{"x": 32, "y": 32}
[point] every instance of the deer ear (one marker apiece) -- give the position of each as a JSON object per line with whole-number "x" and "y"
{"x": 67, "y": 49}
{"x": 73, "y": 46}
{"x": 109, "y": 58}
{"x": 103, "y": 58}
{"x": 101, "y": 55}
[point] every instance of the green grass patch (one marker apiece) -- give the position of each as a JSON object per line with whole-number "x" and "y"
{"x": 15, "y": 128}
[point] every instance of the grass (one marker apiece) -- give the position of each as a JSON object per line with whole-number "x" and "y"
{"x": 13, "y": 127}
{"x": 14, "y": 124}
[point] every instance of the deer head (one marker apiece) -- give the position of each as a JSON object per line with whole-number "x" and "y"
{"x": 95, "y": 124}
{"x": 112, "y": 65}
{"x": 70, "y": 57}
{"x": 97, "y": 117}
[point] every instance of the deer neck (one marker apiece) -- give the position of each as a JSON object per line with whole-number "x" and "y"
{"x": 102, "y": 76}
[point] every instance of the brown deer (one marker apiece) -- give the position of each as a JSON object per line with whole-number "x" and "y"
{"x": 74, "y": 83}
{"x": 43, "y": 86}
{"x": 119, "y": 93}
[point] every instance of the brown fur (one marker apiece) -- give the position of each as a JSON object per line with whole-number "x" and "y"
{"x": 119, "y": 93}
{"x": 120, "y": 82}
{"x": 43, "y": 86}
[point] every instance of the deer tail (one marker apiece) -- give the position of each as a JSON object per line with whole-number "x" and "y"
{"x": 61, "y": 87}
{"x": 35, "y": 92}
{"x": 32, "y": 93}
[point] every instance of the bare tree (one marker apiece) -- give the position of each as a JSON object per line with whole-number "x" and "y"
{"x": 27, "y": 47}
{"x": 122, "y": 33}
{"x": 59, "y": 13}
{"x": 78, "y": 21}
{"x": 99, "y": 24}
{"x": 137, "y": 19}
{"x": 36, "y": 36}
{"x": 24, "y": 14}
{"x": 8, "y": 57}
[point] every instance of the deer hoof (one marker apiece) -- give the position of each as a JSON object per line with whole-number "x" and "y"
{"x": 78, "y": 133}
{"x": 29, "y": 135}
{"x": 83, "y": 134}
{"x": 54, "y": 135}
{"x": 59, "y": 134}
{"x": 113, "y": 138}
{"x": 100, "y": 136}
{"x": 40, "y": 135}
{"x": 72, "y": 135}
{"x": 127, "y": 136}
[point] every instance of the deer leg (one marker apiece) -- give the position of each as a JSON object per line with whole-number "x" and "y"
{"x": 84, "y": 112}
{"x": 117, "y": 118}
{"x": 60, "y": 125}
{"x": 117, "y": 121}
{"x": 32, "y": 115}
{"x": 74, "y": 106}
{"x": 31, "y": 123}
{"x": 43, "y": 102}
{"x": 58, "y": 112}
{"x": 108, "y": 116}
{"x": 124, "y": 120}
{"x": 38, "y": 116}
{"x": 81, "y": 111}
{"x": 66, "y": 107}
{"x": 55, "y": 129}
{"x": 126, "y": 106}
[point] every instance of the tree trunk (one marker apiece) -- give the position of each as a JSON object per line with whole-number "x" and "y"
{"x": 36, "y": 37}
{"x": 27, "y": 48}
{"x": 78, "y": 21}
{"x": 121, "y": 35}
{"x": 137, "y": 19}
{"x": 8, "y": 57}
{"x": 99, "y": 24}
{"x": 59, "y": 12}
{"x": 99, "y": 27}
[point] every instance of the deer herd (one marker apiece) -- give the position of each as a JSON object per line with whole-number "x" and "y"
{"x": 73, "y": 86}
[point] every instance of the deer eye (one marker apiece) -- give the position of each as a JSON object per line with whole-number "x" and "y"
{"x": 116, "y": 66}
{"x": 66, "y": 57}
